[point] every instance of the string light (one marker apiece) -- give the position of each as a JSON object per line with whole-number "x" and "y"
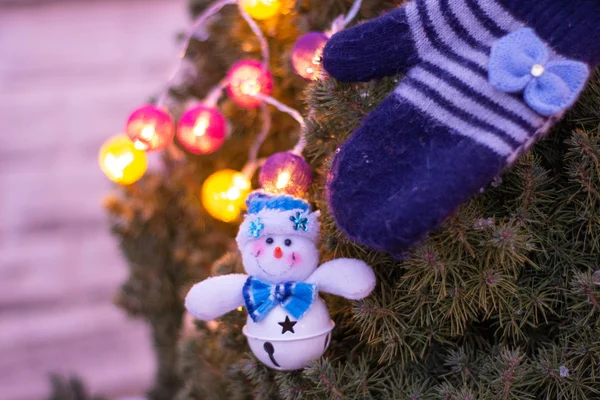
{"x": 247, "y": 79}
{"x": 307, "y": 53}
{"x": 596, "y": 277}
{"x": 150, "y": 128}
{"x": 308, "y": 49}
{"x": 249, "y": 83}
{"x": 224, "y": 194}
{"x": 286, "y": 173}
{"x": 261, "y": 9}
{"x": 202, "y": 130}
{"x": 121, "y": 161}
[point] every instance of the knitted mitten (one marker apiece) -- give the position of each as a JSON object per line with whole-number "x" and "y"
{"x": 484, "y": 80}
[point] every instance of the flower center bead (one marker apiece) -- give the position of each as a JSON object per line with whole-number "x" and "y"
{"x": 537, "y": 70}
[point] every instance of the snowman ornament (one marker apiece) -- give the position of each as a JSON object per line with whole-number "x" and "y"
{"x": 288, "y": 323}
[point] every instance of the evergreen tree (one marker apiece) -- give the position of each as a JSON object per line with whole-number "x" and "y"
{"x": 502, "y": 302}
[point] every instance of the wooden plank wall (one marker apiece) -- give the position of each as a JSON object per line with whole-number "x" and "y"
{"x": 69, "y": 74}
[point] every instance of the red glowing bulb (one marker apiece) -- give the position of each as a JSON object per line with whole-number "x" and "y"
{"x": 202, "y": 130}
{"x": 247, "y": 79}
{"x": 150, "y": 128}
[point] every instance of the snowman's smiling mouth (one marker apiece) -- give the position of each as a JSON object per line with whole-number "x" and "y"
{"x": 271, "y": 274}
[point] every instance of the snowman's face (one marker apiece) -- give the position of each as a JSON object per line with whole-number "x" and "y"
{"x": 280, "y": 258}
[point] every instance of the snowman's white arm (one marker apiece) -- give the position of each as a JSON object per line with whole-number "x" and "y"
{"x": 216, "y": 296}
{"x": 345, "y": 277}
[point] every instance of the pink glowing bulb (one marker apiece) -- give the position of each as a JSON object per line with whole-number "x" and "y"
{"x": 247, "y": 79}
{"x": 285, "y": 173}
{"x": 150, "y": 128}
{"x": 202, "y": 130}
{"x": 307, "y": 53}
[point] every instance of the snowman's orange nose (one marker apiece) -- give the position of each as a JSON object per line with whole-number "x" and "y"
{"x": 277, "y": 252}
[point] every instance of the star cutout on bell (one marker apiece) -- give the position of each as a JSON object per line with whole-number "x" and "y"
{"x": 287, "y": 325}
{"x": 255, "y": 228}
{"x": 299, "y": 222}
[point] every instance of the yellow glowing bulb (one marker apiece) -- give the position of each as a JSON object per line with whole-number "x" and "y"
{"x": 233, "y": 194}
{"x": 261, "y": 9}
{"x": 224, "y": 194}
{"x": 121, "y": 161}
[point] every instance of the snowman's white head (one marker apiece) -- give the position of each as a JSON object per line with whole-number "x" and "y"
{"x": 278, "y": 238}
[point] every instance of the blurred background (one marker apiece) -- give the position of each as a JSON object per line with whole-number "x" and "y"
{"x": 70, "y": 73}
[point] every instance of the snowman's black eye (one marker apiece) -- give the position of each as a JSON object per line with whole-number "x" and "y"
{"x": 288, "y": 242}
{"x": 270, "y": 240}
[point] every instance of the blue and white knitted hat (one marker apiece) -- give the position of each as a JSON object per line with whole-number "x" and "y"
{"x": 277, "y": 215}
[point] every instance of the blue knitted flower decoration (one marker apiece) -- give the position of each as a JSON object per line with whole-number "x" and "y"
{"x": 299, "y": 222}
{"x": 254, "y": 228}
{"x": 520, "y": 62}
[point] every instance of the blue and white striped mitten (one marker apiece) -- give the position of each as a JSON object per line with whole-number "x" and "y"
{"x": 484, "y": 80}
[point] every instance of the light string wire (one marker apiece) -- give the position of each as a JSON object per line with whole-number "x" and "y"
{"x": 294, "y": 114}
{"x": 264, "y": 46}
{"x": 197, "y": 31}
{"x": 352, "y": 13}
{"x": 342, "y": 21}
{"x": 253, "y": 162}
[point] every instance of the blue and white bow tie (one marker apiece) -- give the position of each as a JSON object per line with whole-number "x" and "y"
{"x": 521, "y": 62}
{"x": 261, "y": 297}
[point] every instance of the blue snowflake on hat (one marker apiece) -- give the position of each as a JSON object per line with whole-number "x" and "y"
{"x": 299, "y": 222}
{"x": 255, "y": 227}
